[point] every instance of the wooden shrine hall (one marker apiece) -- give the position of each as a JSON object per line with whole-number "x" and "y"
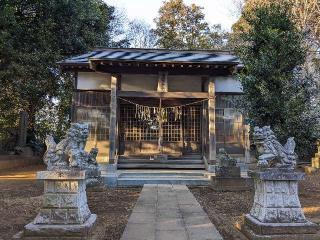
{"x": 158, "y": 105}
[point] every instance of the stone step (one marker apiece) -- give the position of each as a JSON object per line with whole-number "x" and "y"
{"x": 184, "y": 157}
{"x": 139, "y": 181}
{"x": 162, "y": 177}
{"x": 159, "y": 166}
{"x": 193, "y": 156}
{"x": 140, "y": 177}
{"x": 175, "y": 161}
{"x": 161, "y": 173}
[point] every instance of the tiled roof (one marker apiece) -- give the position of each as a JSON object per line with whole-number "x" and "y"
{"x": 153, "y": 55}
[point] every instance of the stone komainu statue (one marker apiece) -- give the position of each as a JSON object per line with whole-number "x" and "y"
{"x": 224, "y": 160}
{"x": 271, "y": 153}
{"x": 69, "y": 152}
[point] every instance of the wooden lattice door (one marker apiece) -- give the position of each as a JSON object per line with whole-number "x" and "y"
{"x": 180, "y": 136}
{"x": 191, "y": 129}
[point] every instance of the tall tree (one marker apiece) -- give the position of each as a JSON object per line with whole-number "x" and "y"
{"x": 34, "y": 35}
{"x": 140, "y": 35}
{"x": 180, "y": 26}
{"x": 305, "y": 14}
{"x": 275, "y": 93}
{"x": 117, "y": 30}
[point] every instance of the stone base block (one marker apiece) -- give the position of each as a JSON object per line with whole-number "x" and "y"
{"x": 109, "y": 175}
{"x": 161, "y": 157}
{"x": 211, "y": 168}
{"x": 256, "y": 230}
{"x": 62, "y": 232}
{"x": 228, "y": 172}
{"x": 231, "y": 184}
{"x": 110, "y": 180}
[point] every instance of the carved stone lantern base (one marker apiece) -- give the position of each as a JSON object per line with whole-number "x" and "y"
{"x": 229, "y": 179}
{"x": 276, "y": 212}
{"x": 64, "y": 213}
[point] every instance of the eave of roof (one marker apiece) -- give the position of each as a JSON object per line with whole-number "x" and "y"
{"x": 135, "y": 55}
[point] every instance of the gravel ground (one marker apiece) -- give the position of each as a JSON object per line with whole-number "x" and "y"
{"x": 20, "y": 200}
{"x": 226, "y": 208}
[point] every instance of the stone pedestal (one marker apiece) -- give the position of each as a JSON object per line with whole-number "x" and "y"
{"x": 229, "y": 179}
{"x": 64, "y": 213}
{"x": 276, "y": 212}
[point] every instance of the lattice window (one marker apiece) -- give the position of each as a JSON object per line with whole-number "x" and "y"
{"x": 172, "y": 129}
{"x": 98, "y": 120}
{"x": 91, "y": 98}
{"x": 229, "y": 124}
{"x": 133, "y": 129}
{"x": 92, "y": 107}
{"x": 191, "y": 123}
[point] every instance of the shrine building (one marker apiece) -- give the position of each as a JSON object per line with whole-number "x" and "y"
{"x": 151, "y": 108}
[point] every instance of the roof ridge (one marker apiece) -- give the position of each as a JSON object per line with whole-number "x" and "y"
{"x": 163, "y": 49}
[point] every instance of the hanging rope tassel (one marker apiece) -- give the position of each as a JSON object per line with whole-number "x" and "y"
{"x": 143, "y": 112}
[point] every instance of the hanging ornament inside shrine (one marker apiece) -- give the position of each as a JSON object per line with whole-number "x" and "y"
{"x": 152, "y": 116}
{"x": 153, "y": 124}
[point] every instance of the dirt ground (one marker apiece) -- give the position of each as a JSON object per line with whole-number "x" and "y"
{"x": 20, "y": 200}
{"x": 226, "y": 208}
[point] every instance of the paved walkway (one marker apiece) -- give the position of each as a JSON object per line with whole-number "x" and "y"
{"x": 168, "y": 212}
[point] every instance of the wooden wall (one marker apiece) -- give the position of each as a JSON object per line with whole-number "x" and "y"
{"x": 91, "y": 104}
{"x": 139, "y": 82}
{"x": 93, "y": 81}
{"x": 225, "y": 84}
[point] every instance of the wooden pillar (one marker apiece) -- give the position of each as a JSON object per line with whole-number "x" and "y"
{"x": 212, "y": 121}
{"x": 160, "y": 139}
{"x": 113, "y": 119}
{"x": 74, "y": 97}
{"x": 162, "y": 87}
{"x": 203, "y": 129}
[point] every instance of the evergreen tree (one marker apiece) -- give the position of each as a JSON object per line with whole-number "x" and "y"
{"x": 304, "y": 13}
{"x": 275, "y": 93}
{"x": 34, "y": 35}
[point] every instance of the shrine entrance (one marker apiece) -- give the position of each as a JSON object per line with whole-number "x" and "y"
{"x": 181, "y": 132}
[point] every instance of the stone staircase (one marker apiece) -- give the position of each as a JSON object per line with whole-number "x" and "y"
{"x": 168, "y": 176}
{"x": 193, "y": 161}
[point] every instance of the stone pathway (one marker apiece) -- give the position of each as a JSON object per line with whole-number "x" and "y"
{"x": 168, "y": 212}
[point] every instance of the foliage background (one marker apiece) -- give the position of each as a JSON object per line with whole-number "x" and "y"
{"x": 278, "y": 44}
{"x": 280, "y": 86}
{"x": 34, "y": 35}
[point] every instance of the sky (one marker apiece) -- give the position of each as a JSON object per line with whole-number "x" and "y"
{"x": 216, "y": 11}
